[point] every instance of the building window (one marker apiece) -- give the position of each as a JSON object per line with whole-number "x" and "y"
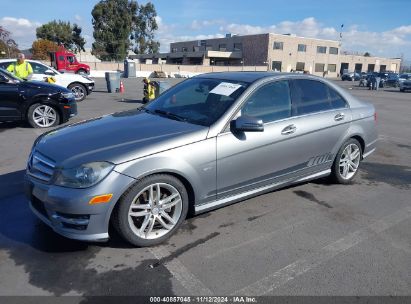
{"x": 196, "y": 48}
{"x": 300, "y": 66}
{"x": 319, "y": 67}
{"x": 222, "y": 47}
{"x": 208, "y": 48}
{"x": 333, "y": 50}
{"x": 332, "y": 68}
{"x": 276, "y": 66}
{"x": 174, "y": 50}
{"x": 278, "y": 45}
{"x": 238, "y": 46}
{"x": 302, "y": 48}
{"x": 184, "y": 49}
{"x": 321, "y": 49}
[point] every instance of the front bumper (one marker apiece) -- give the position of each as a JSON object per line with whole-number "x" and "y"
{"x": 66, "y": 210}
{"x": 68, "y": 110}
{"x": 90, "y": 88}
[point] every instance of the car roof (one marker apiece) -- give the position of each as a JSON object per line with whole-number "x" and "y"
{"x": 242, "y": 76}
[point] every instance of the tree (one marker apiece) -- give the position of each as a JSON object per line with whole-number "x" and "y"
{"x": 78, "y": 40}
{"x": 62, "y": 33}
{"x": 144, "y": 29}
{"x": 367, "y": 54}
{"x": 8, "y": 47}
{"x": 42, "y": 47}
{"x": 122, "y": 24}
{"x": 112, "y": 22}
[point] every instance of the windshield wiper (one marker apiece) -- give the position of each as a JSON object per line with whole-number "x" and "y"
{"x": 170, "y": 115}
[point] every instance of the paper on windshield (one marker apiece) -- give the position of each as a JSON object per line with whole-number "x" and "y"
{"x": 225, "y": 88}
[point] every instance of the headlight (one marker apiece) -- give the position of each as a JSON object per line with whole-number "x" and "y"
{"x": 84, "y": 176}
{"x": 69, "y": 95}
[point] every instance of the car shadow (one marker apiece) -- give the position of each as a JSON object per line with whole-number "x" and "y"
{"x": 126, "y": 100}
{"x": 394, "y": 90}
{"x": 13, "y": 124}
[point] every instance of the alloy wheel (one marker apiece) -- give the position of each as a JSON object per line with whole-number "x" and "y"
{"x": 155, "y": 211}
{"x": 79, "y": 92}
{"x": 44, "y": 116}
{"x": 349, "y": 161}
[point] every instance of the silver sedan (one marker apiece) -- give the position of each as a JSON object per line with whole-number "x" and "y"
{"x": 211, "y": 140}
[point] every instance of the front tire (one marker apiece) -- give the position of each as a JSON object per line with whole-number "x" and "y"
{"x": 42, "y": 116}
{"x": 151, "y": 210}
{"x": 347, "y": 162}
{"x": 79, "y": 90}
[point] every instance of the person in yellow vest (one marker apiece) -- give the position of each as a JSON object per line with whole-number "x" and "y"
{"x": 149, "y": 90}
{"x": 21, "y": 68}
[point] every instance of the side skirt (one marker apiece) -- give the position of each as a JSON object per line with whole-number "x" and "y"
{"x": 254, "y": 192}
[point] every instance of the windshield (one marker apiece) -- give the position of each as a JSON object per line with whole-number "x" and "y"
{"x": 197, "y": 100}
{"x": 9, "y": 75}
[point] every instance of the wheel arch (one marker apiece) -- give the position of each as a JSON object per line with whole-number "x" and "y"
{"x": 40, "y": 100}
{"x": 188, "y": 186}
{"x": 78, "y": 82}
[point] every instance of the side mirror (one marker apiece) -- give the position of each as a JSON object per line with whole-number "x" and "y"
{"x": 3, "y": 79}
{"x": 247, "y": 124}
{"x": 49, "y": 72}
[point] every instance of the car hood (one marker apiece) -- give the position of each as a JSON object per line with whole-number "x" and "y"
{"x": 116, "y": 138}
{"x": 70, "y": 77}
{"x": 50, "y": 88}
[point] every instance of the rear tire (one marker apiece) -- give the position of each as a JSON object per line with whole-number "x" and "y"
{"x": 43, "y": 116}
{"x": 144, "y": 218}
{"x": 347, "y": 162}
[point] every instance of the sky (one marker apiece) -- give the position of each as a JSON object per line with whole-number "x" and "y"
{"x": 381, "y": 27}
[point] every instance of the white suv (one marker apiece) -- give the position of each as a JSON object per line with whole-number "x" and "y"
{"x": 80, "y": 85}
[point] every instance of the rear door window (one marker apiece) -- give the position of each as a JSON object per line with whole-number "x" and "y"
{"x": 309, "y": 96}
{"x": 337, "y": 102}
{"x": 38, "y": 68}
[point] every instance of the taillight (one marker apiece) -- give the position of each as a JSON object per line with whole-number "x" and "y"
{"x": 375, "y": 116}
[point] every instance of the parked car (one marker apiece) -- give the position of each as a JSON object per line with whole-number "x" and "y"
{"x": 392, "y": 80}
{"x": 209, "y": 141}
{"x": 405, "y": 85}
{"x": 349, "y": 76}
{"x": 404, "y": 77}
{"x": 80, "y": 85}
{"x": 41, "y": 104}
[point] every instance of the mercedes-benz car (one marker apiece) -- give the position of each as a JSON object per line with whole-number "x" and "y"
{"x": 209, "y": 141}
{"x": 41, "y": 104}
{"x": 80, "y": 85}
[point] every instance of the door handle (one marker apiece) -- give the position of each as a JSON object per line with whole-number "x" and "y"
{"x": 339, "y": 116}
{"x": 289, "y": 130}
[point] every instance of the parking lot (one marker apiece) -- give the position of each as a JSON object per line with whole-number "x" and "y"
{"x": 315, "y": 238}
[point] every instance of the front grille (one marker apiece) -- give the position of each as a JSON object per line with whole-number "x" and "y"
{"x": 40, "y": 167}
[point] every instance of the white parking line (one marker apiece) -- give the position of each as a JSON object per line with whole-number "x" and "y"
{"x": 261, "y": 237}
{"x": 303, "y": 265}
{"x": 188, "y": 280}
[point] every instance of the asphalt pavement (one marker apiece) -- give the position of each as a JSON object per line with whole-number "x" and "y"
{"x": 315, "y": 238}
